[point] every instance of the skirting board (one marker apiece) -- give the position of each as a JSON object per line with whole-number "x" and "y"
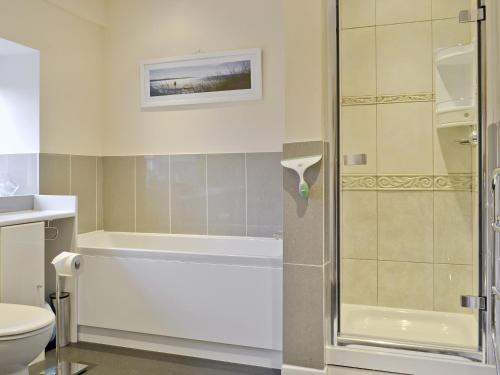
{"x": 191, "y": 348}
{"x": 294, "y": 370}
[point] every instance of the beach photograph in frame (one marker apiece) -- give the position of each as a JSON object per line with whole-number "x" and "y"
{"x": 202, "y": 78}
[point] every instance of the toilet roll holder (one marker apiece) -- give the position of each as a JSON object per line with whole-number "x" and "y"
{"x": 63, "y": 367}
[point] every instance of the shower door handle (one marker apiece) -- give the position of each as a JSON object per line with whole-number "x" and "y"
{"x": 355, "y": 159}
{"x": 473, "y": 302}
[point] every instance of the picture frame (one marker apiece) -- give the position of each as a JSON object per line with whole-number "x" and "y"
{"x": 202, "y": 78}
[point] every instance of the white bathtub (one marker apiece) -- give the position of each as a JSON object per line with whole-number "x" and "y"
{"x": 207, "y": 296}
{"x": 405, "y": 325}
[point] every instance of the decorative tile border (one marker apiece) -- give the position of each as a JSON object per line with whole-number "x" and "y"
{"x": 462, "y": 182}
{"x": 404, "y": 182}
{"x": 387, "y": 99}
{"x": 453, "y": 182}
{"x": 405, "y": 98}
{"x": 359, "y": 100}
{"x": 359, "y": 182}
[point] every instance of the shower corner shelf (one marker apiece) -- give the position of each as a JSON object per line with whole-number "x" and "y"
{"x": 461, "y": 54}
{"x": 456, "y": 94}
{"x": 455, "y": 125}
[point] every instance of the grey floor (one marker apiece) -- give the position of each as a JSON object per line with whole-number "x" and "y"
{"x": 108, "y": 360}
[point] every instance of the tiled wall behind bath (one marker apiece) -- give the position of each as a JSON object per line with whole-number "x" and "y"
{"x": 408, "y": 215}
{"x": 217, "y": 194}
{"x": 75, "y": 175}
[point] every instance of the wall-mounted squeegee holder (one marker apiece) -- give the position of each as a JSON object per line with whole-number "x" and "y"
{"x": 300, "y": 165}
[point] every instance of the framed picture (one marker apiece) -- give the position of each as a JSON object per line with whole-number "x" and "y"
{"x": 202, "y": 78}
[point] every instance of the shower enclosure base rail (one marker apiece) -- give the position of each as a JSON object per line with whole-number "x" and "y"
{"x": 403, "y": 361}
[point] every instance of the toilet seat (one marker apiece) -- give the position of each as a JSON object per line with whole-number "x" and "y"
{"x": 22, "y": 320}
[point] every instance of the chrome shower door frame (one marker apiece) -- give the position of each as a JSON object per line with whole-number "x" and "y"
{"x": 488, "y": 151}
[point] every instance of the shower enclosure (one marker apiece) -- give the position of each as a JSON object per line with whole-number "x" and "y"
{"x": 414, "y": 263}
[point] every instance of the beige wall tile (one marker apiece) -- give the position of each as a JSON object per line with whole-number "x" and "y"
{"x": 359, "y": 224}
{"x": 359, "y": 136}
{"x": 404, "y": 58}
{"x": 453, "y": 227}
{"x": 152, "y": 192}
{"x": 100, "y": 219}
{"x": 84, "y": 186}
{"x": 118, "y": 193}
{"x": 54, "y": 174}
{"x": 399, "y": 11}
{"x": 405, "y": 229}
{"x": 226, "y": 194}
{"x": 264, "y": 194}
{"x": 449, "y": 33}
{"x": 405, "y": 285}
{"x": 404, "y": 138}
{"x": 327, "y": 200}
{"x": 448, "y": 8}
{"x": 189, "y": 195}
{"x": 303, "y": 317}
{"x": 449, "y": 155}
{"x": 451, "y": 282}
{"x": 357, "y": 13}
{"x": 358, "y": 73}
{"x": 359, "y": 281}
{"x": 475, "y": 241}
{"x": 474, "y": 161}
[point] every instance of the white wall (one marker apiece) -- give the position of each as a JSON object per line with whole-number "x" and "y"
{"x": 90, "y": 73}
{"x": 150, "y": 29}
{"x": 306, "y": 70}
{"x": 95, "y": 11}
{"x": 71, "y": 53}
{"x": 19, "y": 101}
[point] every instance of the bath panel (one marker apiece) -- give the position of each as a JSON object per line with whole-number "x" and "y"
{"x": 222, "y": 290}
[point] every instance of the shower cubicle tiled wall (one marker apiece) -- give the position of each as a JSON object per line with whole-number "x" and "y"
{"x": 408, "y": 214}
{"x": 217, "y": 194}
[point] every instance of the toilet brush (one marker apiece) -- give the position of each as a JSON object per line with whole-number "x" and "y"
{"x": 66, "y": 264}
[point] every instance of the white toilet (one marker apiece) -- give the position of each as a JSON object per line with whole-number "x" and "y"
{"x": 24, "y": 333}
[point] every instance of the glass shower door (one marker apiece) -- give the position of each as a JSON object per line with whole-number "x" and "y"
{"x": 409, "y": 149}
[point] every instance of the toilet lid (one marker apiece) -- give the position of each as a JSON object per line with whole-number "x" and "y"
{"x": 19, "y": 319}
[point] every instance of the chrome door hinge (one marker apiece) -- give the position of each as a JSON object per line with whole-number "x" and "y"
{"x": 472, "y": 15}
{"x": 473, "y": 302}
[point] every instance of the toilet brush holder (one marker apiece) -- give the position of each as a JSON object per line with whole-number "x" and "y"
{"x": 66, "y": 264}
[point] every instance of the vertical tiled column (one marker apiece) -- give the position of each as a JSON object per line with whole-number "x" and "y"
{"x": 305, "y": 260}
